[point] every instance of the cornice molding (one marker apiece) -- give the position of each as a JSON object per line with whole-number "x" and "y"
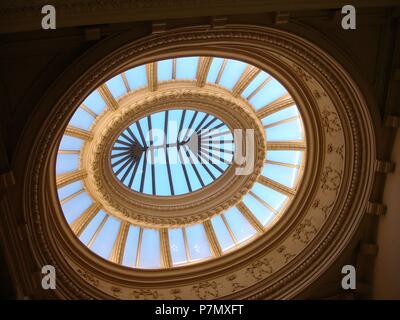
{"x": 15, "y": 17}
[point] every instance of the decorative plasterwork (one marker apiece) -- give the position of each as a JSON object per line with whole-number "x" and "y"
{"x": 298, "y": 249}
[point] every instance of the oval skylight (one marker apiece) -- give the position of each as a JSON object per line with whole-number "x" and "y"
{"x": 172, "y": 152}
{"x": 188, "y": 149}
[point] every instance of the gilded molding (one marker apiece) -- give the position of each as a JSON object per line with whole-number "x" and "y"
{"x": 108, "y": 97}
{"x": 151, "y": 71}
{"x": 202, "y": 70}
{"x": 212, "y": 238}
{"x": 64, "y": 179}
{"x": 119, "y": 244}
{"x": 84, "y": 219}
{"x": 276, "y": 186}
{"x": 274, "y": 106}
{"x": 79, "y": 133}
{"x": 248, "y": 75}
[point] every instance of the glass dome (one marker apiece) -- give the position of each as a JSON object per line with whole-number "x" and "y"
{"x": 167, "y": 162}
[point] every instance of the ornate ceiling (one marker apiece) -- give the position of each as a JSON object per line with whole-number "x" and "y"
{"x": 329, "y": 208}
{"x": 343, "y": 95}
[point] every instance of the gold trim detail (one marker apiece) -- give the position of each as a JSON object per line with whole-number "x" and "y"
{"x": 276, "y": 105}
{"x": 85, "y": 218}
{"x": 202, "y": 70}
{"x": 166, "y": 259}
{"x": 67, "y": 178}
{"x": 88, "y": 110}
{"x": 108, "y": 98}
{"x": 212, "y": 239}
{"x": 250, "y": 217}
{"x": 66, "y": 199}
{"x": 276, "y": 186}
{"x": 286, "y": 145}
{"x": 117, "y": 253}
{"x": 151, "y": 71}
{"x": 78, "y": 133}
{"x": 247, "y": 76}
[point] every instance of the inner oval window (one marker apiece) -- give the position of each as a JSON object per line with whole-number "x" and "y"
{"x": 172, "y": 152}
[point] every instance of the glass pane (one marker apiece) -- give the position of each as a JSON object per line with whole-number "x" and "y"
{"x": 164, "y": 70}
{"x": 177, "y": 245}
{"x": 95, "y": 102}
{"x": 214, "y": 69}
{"x": 186, "y": 68}
{"x": 224, "y": 238}
{"x": 69, "y": 189}
{"x": 281, "y": 174}
{"x": 147, "y": 187}
{"x": 239, "y": 225}
{"x": 76, "y": 206}
{"x": 262, "y": 213}
{"x": 232, "y": 72}
{"x": 137, "y": 77}
{"x": 270, "y": 92}
{"x": 67, "y": 163}
{"x": 178, "y": 177}
{"x": 285, "y": 131}
{"x": 281, "y": 115}
{"x": 70, "y": 143}
{"x": 81, "y": 119}
{"x": 91, "y": 228}
{"x": 285, "y": 156}
{"x": 105, "y": 239}
{"x": 197, "y": 242}
{"x": 274, "y": 198}
{"x": 116, "y": 86}
{"x": 257, "y": 81}
{"x": 194, "y": 181}
{"x": 131, "y": 247}
{"x": 150, "y": 249}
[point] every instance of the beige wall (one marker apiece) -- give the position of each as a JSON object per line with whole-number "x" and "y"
{"x": 387, "y": 264}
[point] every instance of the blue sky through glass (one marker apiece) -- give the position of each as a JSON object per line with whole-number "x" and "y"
{"x": 261, "y": 212}
{"x": 177, "y": 246}
{"x": 137, "y": 77}
{"x": 74, "y": 207}
{"x": 104, "y": 241}
{"x": 197, "y": 242}
{"x": 164, "y": 70}
{"x": 221, "y": 231}
{"x": 150, "y": 249}
{"x": 116, "y": 86}
{"x": 240, "y": 227}
{"x": 186, "y": 67}
{"x": 190, "y": 156}
{"x": 131, "y": 246}
{"x": 88, "y": 233}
